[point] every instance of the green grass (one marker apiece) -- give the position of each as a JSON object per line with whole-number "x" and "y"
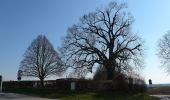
{"x": 109, "y": 96}
{"x": 81, "y": 95}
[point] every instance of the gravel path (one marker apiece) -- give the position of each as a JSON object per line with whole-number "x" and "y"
{"x": 13, "y": 96}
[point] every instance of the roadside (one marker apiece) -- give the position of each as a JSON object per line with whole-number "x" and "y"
{"x": 162, "y": 97}
{"x": 81, "y": 95}
{"x": 162, "y": 92}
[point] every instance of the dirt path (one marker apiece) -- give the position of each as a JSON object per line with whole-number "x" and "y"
{"x": 162, "y": 97}
{"x": 13, "y": 96}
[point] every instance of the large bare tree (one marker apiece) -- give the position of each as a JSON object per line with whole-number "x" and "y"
{"x": 164, "y": 51}
{"x": 104, "y": 37}
{"x": 41, "y": 60}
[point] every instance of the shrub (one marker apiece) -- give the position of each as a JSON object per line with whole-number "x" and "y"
{"x": 136, "y": 85}
{"x": 100, "y": 73}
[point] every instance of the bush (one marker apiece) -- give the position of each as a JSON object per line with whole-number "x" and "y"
{"x": 16, "y": 84}
{"x": 120, "y": 84}
{"x": 100, "y": 73}
{"x": 136, "y": 85}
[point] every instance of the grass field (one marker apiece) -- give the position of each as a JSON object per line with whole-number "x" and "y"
{"x": 81, "y": 95}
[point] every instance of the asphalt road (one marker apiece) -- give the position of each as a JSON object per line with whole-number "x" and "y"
{"x": 13, "y": 96}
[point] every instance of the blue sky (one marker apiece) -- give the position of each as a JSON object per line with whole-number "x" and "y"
{"x": 22, "y": 20}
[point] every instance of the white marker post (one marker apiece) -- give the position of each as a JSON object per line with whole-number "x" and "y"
{"x": 73, "y": 86}
{"x": 1, "y": 83}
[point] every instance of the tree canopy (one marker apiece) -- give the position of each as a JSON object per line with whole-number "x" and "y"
{"x": 104, "y": 37}
{"x": 41, "y": 60}
{"x": 164, "y": 51}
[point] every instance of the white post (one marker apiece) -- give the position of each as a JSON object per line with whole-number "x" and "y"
{"x": 73, "y": 87}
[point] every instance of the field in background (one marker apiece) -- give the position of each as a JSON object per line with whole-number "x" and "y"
{"x": 162, "y": 89}
{"x": 159, "y": 90}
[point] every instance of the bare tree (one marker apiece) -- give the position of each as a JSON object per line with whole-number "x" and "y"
{"x": 164, "y": 51}
{"x": 41, "y": 60}
{"x": 103, "y": 37}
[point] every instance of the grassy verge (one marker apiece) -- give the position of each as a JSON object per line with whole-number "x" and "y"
{"x": 81, "y": 95}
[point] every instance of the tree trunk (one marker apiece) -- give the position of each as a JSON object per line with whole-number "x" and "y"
{"x": 110, "y": 73}
{"x": 42, "y": 82}
{"x": 110, "y": 67}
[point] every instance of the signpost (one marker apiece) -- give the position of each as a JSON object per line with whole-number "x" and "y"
{"x": 150, "y": 82}
{"x": 19, "y": 75}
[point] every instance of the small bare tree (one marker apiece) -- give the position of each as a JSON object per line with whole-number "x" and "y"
{"x": 164, "y": 51}
{"x": 103, "y": 37}
{"x": 41, "y": 60}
